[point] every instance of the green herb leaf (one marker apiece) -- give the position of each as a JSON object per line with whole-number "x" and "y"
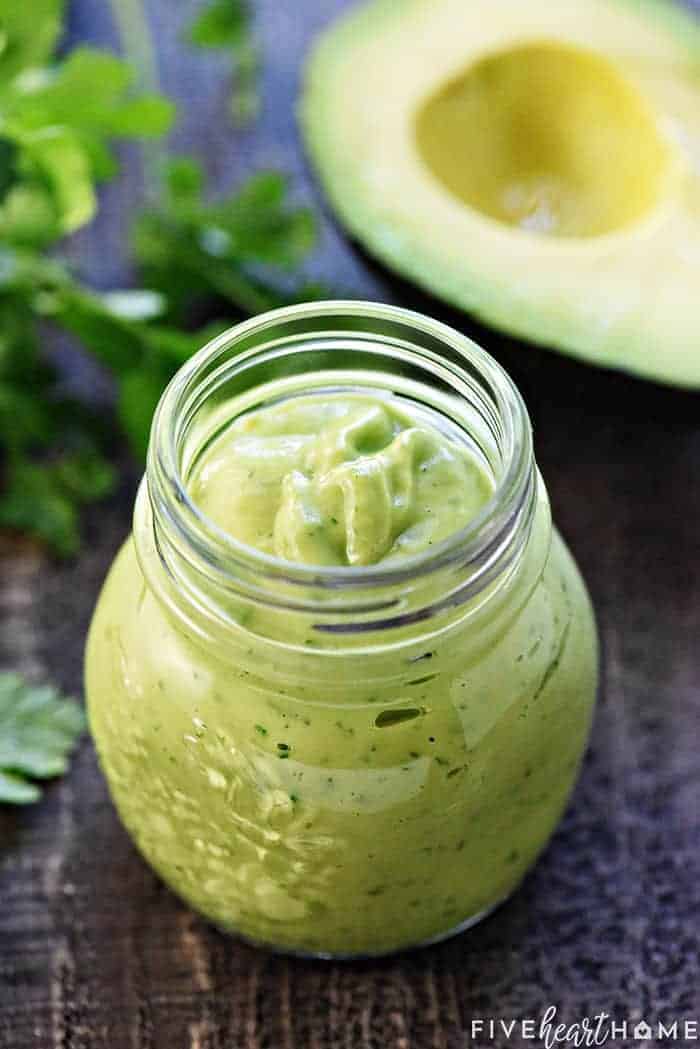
{"x": 139, "y": 393}
{"x": 8, "y": 159}
{"x": 260, "y": 225}
{"x": 190, "y": 250}
{"x": 56, "y": 153}
{"x": 28, "y": 216}
{"x": 184, "y": 180}
{"x": 90, "y": 93}
{"x": 28, "y": 34}
{"x": 43, "y": 499}
{"x": 14, "y": 790}
{"x": 140, "y": 388}
{"x": 148, "y": 116}
{"x": 199, "y": 258}
{"x": 174, "y": 346}
{"x": 84, "y": 475}
{"x": 38, "y": 730}
{"x": 225, "y": 25}
{"x": 114, "y": 341}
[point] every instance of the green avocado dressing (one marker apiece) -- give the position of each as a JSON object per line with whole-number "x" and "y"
{"x": 322, "y": 797}
{"x": 339, "y": 480}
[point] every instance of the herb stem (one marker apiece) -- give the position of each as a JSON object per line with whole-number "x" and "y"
{"x": 135, "y": 36}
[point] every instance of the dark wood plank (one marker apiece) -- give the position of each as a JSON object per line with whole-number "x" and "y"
{"x": 96, "y": 953}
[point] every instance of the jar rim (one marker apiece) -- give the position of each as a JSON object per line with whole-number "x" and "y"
{"x": 477, "y": 543}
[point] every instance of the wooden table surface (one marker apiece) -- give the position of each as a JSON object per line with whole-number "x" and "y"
{"x": 96, "y": 954}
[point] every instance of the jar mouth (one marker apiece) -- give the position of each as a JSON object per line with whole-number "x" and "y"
{"x": 411, "y": 341}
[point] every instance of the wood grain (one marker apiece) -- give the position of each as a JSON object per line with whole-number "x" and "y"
{"x": 96, "y": 954}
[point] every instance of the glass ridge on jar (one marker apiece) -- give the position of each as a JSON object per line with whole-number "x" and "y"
{"x": 342, "y": 761}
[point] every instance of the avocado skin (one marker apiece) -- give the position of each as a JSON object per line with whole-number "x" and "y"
{"x": 629, "y": 348}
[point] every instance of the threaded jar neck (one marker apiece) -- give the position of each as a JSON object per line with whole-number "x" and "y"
{"x": 331, "y": 347}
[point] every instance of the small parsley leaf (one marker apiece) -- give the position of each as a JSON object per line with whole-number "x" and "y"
{"x": 38, "y": 730}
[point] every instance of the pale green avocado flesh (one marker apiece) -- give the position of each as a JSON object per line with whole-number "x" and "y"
{"x": 535, "y": 164}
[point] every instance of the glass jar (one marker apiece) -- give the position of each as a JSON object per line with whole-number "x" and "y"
{"x": 342, "y": 761}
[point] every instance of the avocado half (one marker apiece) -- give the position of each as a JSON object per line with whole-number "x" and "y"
{"x": 536, "y": 163}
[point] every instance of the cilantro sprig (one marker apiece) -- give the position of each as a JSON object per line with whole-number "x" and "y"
{"x": 202, "y": 263}
{"x": 38, "y": 730}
